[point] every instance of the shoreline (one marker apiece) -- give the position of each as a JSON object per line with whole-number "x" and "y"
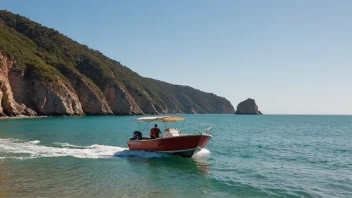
{"x": 74, "y": 116}
{"x": 22, "y": 117}
{"x": 54, "y": 116}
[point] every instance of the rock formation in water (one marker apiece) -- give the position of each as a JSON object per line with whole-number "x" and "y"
{"x": 43, "y": 72}
{"x": 248, "y": 107}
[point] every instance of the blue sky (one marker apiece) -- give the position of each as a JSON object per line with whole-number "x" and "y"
{"x": 292, "y": 57}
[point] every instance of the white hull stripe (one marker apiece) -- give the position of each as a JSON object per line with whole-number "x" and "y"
{"x": 178, "y": 151}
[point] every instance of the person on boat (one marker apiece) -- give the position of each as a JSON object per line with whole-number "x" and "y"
{"x": 154, "y": 132}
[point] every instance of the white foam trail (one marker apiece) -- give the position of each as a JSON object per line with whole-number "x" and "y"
{"x": 202, "y": 153}
{"x": 34, "y": 142}
{"x": 67, "y": 145}
{"x": 32, "y": 149}
{"x": 13, "y": 157}
{"x": 15, "y": 146}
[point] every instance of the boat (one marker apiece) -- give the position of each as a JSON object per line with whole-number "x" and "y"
{"x": 172, "y": 141}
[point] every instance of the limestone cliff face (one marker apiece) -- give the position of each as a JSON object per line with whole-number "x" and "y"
{"x": 9, "y": 107}
{"x": 91, "y": 98}
{"x": 55, "y": 99}
{"x": 120, "y": 102}
{"x": 227, "y": 108}
{"x": 248, "y": 107}
{"x": 43, "y": 98}
{"x": 143, "y": 102}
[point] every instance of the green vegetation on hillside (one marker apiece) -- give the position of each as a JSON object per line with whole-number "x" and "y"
{"x": 46, "y": 54}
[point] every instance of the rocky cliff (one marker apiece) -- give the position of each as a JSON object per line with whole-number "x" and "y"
{"x": 30, "y": 96}
{"x": 43, "y": 72}
{"x": 248, "y": 107}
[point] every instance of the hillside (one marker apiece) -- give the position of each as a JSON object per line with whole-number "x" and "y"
{"x": 46, "y": 73}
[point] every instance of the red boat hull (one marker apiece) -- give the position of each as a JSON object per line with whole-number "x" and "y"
{"x": 185, "y": 145}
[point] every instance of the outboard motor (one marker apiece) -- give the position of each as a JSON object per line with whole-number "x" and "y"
{"x": 137, "y": 135}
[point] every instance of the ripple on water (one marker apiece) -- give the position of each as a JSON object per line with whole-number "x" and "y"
{"x": 248, "y": 156}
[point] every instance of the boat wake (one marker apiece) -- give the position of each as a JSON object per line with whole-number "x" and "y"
{"x": 202, "y": 153}
{"x": 68, "y": 145}
{"x": 19, "y": 149}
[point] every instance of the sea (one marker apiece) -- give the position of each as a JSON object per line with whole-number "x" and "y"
{"x": 248, "y": 156}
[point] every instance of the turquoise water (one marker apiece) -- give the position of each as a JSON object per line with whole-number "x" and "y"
{"x": 249, "y": 156}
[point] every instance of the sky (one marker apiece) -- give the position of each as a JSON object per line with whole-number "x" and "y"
{"x": 291, "y": 56}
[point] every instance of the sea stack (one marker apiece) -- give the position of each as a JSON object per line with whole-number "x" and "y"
{"x": 248, "y": 107}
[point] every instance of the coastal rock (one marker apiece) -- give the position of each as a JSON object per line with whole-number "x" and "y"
{"x": 143, "y": 102}
{"x": 194, "y": 111}
{"x": 44, "y": 98}
{"x": 91, "y": 98}
{"x": 160, "y": 109}
{"x": 120, "y": 101}
{"x": 248, "y": 107}
{"x": 29, "y": 112}
{"x": 226, "y": 107}
{"x": 9, "y": 107}
{"x": 55, "y": 99}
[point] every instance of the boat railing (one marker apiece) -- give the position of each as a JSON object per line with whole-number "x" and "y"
{"x": 198, "y": 128}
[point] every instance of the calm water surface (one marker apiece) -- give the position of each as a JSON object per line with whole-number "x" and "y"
{"x": 249, "y": 156}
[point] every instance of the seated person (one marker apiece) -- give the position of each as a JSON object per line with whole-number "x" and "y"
{"x": 137, "y": 135}
{"x": 154, "y": 132}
